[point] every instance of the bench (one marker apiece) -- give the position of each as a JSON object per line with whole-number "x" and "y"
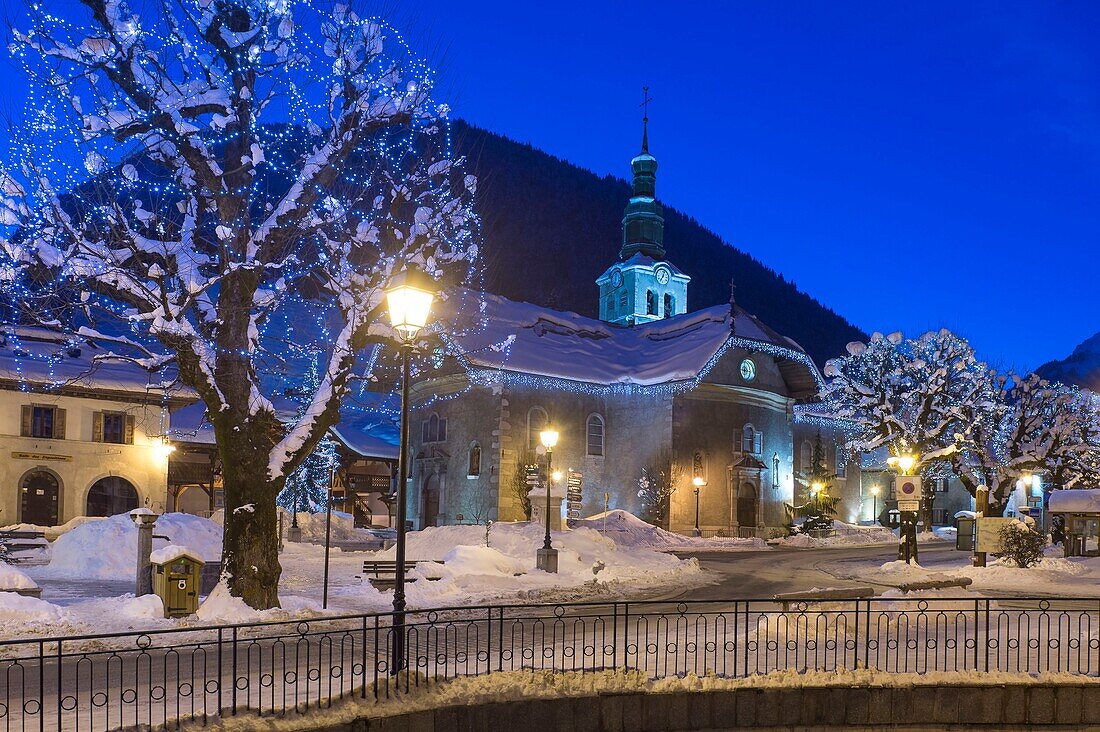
{"x": 22, "y": 541}
{"x": 823, "y": 595}
{"x": 383, "y": 573}
{"x": 936, "y": 584}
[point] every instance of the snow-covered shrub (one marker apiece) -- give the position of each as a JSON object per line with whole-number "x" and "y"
{"x": 1022, "y": 545}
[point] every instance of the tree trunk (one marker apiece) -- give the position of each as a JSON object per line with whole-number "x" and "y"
{"x": 251, "y": 541}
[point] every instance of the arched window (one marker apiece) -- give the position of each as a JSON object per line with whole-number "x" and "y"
{"x": 536, "y": 423}
{"x": 650, "y": 303}
{"x": 748, "y": 438}
{"x": 110, "y": 496}
{"x": 433, "y": 429}
{"x": 699, "y": 465}
{"x": 670, "y": 305}
{"x": 595, "y": 432}
{"x": 807, "y": 456}
{"x": 473, "y": 468}
{"x": 611, "y": 304}
{"x": 775, "y": 470}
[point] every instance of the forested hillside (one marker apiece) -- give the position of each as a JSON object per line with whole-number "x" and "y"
{"x": 550, "y": 228}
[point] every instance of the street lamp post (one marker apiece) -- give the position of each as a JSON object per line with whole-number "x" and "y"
{"x": 409, "y": 300}
{"x": 698, "y": 481}
{"x": 874, "y": 505}
{"x": 546, "y": 558}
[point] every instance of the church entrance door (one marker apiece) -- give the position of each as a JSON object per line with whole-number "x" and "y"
{"x": 430, "y": 514}
{"x": 746, "y": 505}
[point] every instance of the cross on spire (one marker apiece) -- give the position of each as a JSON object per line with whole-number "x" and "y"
{"x": 646, "y": 99}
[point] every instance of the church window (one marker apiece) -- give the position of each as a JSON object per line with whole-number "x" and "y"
{"x": 433, "y": 429}
{"x": 611, "y": 303}
{"x": 807, "y": 456}
{"x": 623, "y": 300}
{"x": 536, "y": 423}
{"x": 473, "y": 468}
{"x": 841, "y": 464}
{"x": 751, "y": 441}
{"x": 650, "y": 303}
{"x": 775, "y": 470}
{"x": 670, "y": 305}
{"x": 595, "y": 430}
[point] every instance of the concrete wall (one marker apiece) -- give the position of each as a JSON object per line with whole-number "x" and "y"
{"x": 76, "y": 461}
{"x": 993, "y": 707}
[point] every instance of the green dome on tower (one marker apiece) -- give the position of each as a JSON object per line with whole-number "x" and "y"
{"x": 643, "y": 218}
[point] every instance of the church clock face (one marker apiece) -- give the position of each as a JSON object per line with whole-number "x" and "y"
{"x": 748, "y": 369}
{"x": 662, "y": 275}
{"x": 616, "y": 278}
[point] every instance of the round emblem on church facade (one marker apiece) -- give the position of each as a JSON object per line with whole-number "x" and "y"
{"x": 616, "y": 278}
{"x": 748, "y": 369}
{"x": 662, "y": 275}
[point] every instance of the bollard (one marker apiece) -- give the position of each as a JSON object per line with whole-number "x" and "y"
{"x": 145, "y": 520}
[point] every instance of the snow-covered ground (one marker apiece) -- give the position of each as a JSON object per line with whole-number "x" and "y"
{"x": 91, "y": 569}
{"x": 1054, "y": 575}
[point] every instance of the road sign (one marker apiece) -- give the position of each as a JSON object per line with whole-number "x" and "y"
{"x": 574, "y": 495}
{"x": 908, "y": 505}
{"x": 907, "y": 488}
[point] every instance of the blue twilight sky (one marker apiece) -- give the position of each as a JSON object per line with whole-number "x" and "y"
{"x": 911, "y": 165}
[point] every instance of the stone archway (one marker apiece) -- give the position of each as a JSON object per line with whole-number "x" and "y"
{"x": 111, "y": 495}
{"x": 40, "y": 496}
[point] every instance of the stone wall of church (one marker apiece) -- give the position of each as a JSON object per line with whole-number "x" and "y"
{"x": 745, "y": 488}
{"x": 446, "y": 486}
{"x": 636, "y": 432}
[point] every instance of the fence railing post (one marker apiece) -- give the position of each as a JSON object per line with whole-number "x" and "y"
{"x": 42, "y": 685}
{"x": 626, "y": 635}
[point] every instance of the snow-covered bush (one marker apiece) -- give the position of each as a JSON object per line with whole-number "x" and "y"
{"x": 1022, "y": 545}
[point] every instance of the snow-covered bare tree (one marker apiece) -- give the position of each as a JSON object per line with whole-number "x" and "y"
{"x": 907, "y": 395}
{"x": 248, "y": 160}
{"x": 1028, "y": 427}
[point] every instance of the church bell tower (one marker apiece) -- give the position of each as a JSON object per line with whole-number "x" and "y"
{"x": 642, "y": 286}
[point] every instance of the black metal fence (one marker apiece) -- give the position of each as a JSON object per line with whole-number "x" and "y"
{"x": 161, "y": 677}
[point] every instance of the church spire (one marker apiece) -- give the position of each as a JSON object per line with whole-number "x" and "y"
{"x": 643, "y": 219}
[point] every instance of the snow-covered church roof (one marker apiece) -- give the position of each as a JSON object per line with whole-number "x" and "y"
{"x": 565, "y": 347}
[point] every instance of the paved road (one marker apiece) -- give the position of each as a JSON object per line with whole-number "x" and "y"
{"x": 760, "y": 575}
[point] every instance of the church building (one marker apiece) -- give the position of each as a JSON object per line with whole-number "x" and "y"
{"x": 686, "y": 419}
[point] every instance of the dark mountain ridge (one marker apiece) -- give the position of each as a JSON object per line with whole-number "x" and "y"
{"x": 1082, "y": 367}
{"x": 550, "y": 228}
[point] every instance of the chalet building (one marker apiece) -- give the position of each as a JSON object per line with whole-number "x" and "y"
{"x": 78, "y": 438}
{"x": 648, "y": 396}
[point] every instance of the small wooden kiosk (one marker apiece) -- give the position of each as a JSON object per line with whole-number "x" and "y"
{"x": 1080, "y": 508}
{"x": 177, "y": 573}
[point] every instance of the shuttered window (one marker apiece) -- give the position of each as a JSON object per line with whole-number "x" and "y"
{"x": 113, "y": 427}
{"x": 43, "y": 421}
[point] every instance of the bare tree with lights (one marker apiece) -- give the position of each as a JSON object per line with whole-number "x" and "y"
{"x": 246, "y": 161}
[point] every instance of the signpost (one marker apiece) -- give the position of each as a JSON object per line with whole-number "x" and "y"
{"x": 908, "y": 491}
{"x": 573, "y": 496}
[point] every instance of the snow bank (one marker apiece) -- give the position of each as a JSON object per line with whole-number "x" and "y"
{"x": 52, "y": 532}
{"x": 627, "y": 530}
{"x": 846, "y": 535}
{"x": 313, "y": 526}
{"x": 12, "y": 579}
{"x": 18, "y": 613}
{"x": 220, "y": 607}
{"x": 107, "y": 549}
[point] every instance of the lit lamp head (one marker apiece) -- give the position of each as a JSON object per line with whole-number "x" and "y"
{"x": 556, "y": 476}
{"x": 816, "y": 488}
{"x": 163, "y": 448}
{"x": 905, "y": 463}
{"x": 874, "y": 490}
{"x": 409, "y": 299}
{"x": 548, "y": 437}
{"x": 1027, "y": 479}
{"x": 698, "y": 481}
